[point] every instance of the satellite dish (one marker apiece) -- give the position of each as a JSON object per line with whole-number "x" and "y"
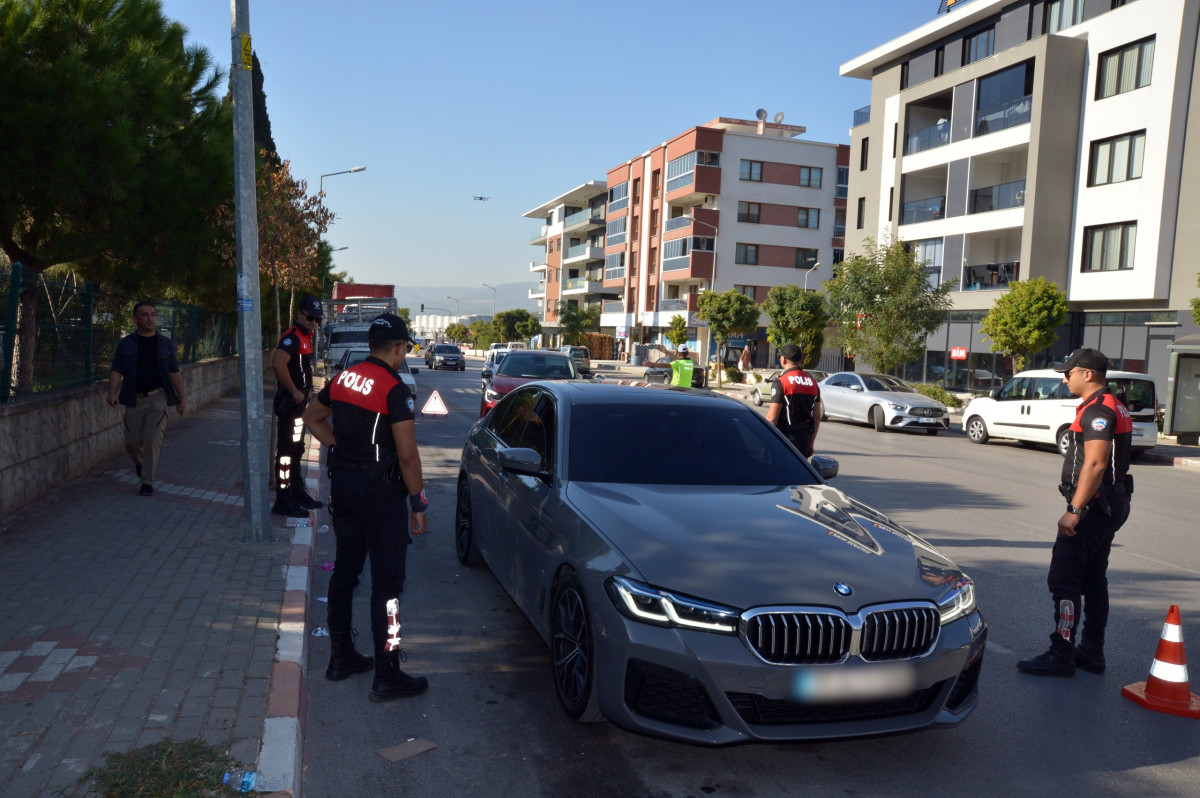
{"x": 760, "y": 114}
{"x": 779, "y": 117}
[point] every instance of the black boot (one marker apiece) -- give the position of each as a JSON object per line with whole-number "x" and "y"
{"x": 285, "y": 506}
{"x": 391, "y": 682}
{"x": 301, "y": 498}
{"x": 344, "y": 660}
{"x": 1058, "y": 660}
{"x": 1090, "y": 654}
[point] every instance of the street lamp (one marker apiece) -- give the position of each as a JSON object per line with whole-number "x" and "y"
{"x": 321, "y": 182}
{"x": 485, "y": 285}
{"x": 815, "y": 266}
{"x": 455, "y": 306}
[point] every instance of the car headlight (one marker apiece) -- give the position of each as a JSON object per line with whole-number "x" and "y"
{"x": 897, "y": 407}
{"x": 650, "y": 605}
{"x": 491, "y": 395}
{"x": 958, "y": 601}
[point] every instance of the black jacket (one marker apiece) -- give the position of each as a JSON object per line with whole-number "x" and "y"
{"x": 125, "y": 364}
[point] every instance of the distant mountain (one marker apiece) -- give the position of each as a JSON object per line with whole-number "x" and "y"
{"x": 472, "y": 300}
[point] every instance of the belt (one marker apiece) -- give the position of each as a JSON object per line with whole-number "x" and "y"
{"x": 358, "y": 465}
{"x": 148, "y": 393}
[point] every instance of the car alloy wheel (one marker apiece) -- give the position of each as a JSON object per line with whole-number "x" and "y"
{"x": 756, "y": 397}
{"x": 573, "y": 653}
{"x": 878, "y": 419}
{"x": 977, "y": 430}
{"x": 1064, "y": 440}
{"x": 464, "y": 530}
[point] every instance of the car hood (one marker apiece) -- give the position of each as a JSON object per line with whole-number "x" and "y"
{"x": 910, "y": 399}
{"x": 756, "y": 546}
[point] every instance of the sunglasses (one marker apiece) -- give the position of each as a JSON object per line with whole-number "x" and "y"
{"x": 311, "y": 318}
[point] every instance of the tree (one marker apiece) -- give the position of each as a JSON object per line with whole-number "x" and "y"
{"x": 457, "y": 332}
{"x": 483, "y": 333}
{"x": 575, "y": 320}
{"x": 677, "y": 332}
{"x": 1195, "y": 301}
{"x": 515, "y": 325}
{"x": 885, "y": 306}
{"x": 115, "y": 148}
{"x": 728, "y": 313}
{"x": 797, "y": 317}
{"x": 1025, "y": 319}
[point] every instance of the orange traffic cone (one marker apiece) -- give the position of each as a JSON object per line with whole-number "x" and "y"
{"x": 1166, "y": 689}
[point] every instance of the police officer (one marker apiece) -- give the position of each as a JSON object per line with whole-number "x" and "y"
{"x": 682, "y": 368}
{"x": 293, "y": 366}
{"x": 795, "y": 401}
{"x": 375, "y": 468}
{"x": 1097, "y": 486}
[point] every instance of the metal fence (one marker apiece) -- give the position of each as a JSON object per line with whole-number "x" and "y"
{"x": 76, "y": 327}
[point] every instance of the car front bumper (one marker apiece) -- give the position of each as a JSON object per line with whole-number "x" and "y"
{"x": 901, "y": 419}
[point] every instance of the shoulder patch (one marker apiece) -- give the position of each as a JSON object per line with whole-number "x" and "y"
{"x": 1099, "y": 424}
{"x": 412, "y": 407}
{"x": 286, "y": 341}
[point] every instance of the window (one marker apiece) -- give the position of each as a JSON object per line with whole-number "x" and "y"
{"x": 618, "y": 197}
{"x": 656, "y": 183}
{"x": 862, "y": 213}
{"x": 928, "y": 253}
{"x": 904, "y": 75}
{"x": 614, "y": 266}
{"x": 705, "y": 158}
{"x": 843, "y": 182}
{"x": 747, "y": 254}
{"x": 839, "y": 222}
{"x": 637, "y": 226}
{"x": 745, "y": 290}
{"x": 652, "y": 266}
{"x": 654, "y": 221}
{"x": 939, "y": 61}
{"x": 1063, "y": 14}
{"x": 637, "y": 191}
{"x": 615, "y": 231}
{"x": 751, "y": 170}
{"x": 891, "y": 201}
{"x": 1125, "y": 69}
{"x": 748, "y": 212}
{"x": 810, "y": 176}
{"x": 839, "y": 255}
{"x": 809, "y": 217}
{"x": 862, "y": 154}
{"x": 806, "y": 258}
{"x": 978, "y": 45}
{"x": 1117, "y": 159}
{"x": 1109, "y": 248}
{"x": 1119, "y": 3}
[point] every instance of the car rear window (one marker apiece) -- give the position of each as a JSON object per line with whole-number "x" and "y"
{"x": 344, "y": 337}
{"x": 1137, "y": 394}
{"x": 447, "y": 349}
{"x": 536, "y": 367}
{"x": 679, "y": 445}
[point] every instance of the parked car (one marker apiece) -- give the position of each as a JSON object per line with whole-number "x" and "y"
{"x": 660, "y": 372}
{"x": 350, "y": 357}
{"x": 581, "y": 356}
{"x": 1036, "y": 407}
{"x": 342, "y": 337}
{"x": 446, "y": 356}
{"x": 697, "y": 579}
{"x": 519, "y": 367}
{"x": 881, "y": 400}
{"x": 761, "y": 391}
{"x": 971, "y": 380}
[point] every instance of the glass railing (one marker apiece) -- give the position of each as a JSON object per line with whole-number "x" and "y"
{"x": 842, "y": 192}
{"x": 675, "y": 264}
{"x": 575, "y": 283}
{"x": 673, "y": 304}
{"x": 1004, "y": 115}
{"x": 537, "y": 265}
{"x": 839, "y": 231}
{"x": 615, "y": 274}
{"x": 617, "y": 205}
{"x": 935, "y": 136}
{"x": 680, "y": 181}
{"x": 924, "y": 210}
{"x": 612, "y": 306}
{"x": 541, "y": 233}
{"x": 587, "y": 216}
{"x": 677, "y": 223}
{"x": 990, "y": 276}
{"x": 862, "y": 116}
{"x": 579, "y": 250}
{"x": 998, "y": 197}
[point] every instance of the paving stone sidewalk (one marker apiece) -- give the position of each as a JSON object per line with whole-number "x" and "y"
{"x": 127, "y": 619}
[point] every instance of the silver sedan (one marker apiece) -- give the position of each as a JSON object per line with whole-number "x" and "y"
{"x": 885, "y": 402}
{"x": 696, "y": 579}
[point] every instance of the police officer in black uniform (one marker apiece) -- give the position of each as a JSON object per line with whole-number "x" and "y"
{"x": 1097, "y": 487}
{"x": 293, "y": 366}
{"x": 795, "y": 407}
{"x": 375, "y": 468}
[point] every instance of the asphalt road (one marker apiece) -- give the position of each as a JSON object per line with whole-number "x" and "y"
{"x": 492, "y": 713}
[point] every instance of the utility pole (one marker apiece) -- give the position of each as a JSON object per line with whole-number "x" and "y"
{"x": 250, "y": 356}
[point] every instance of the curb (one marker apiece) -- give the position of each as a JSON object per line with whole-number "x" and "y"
{"x": 280, "y": 760}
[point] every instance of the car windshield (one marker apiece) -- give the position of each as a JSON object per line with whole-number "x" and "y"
{"x": 355, "y": 356}
{"x": 648, "y": 444}
{"x": 530, "y": 366}
{"x": 343, "y": 337}
{"x": 883, "y": 382}
{"x": 1136, "y": 394}
{"x": 446, "y": 349}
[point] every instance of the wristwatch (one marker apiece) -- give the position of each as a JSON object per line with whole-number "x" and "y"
{"x": 1073, "y": 510}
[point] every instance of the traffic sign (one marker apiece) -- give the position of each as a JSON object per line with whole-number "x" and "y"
{"x": 434, "y": 406}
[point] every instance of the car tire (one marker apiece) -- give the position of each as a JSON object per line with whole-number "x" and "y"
{"x": 464, "y": 528}
{"x": 878, "y": 419}
{"x": 977, "y": 430}
{"x": 463, "y": 367}
{"x": 666, "y": 380}
{"x": 1062, "y": 440}
{"x": 573, "y": 652}
{"x": 756, "y": 397}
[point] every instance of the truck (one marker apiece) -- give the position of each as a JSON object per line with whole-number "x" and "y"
{"x": 348, "y": 317}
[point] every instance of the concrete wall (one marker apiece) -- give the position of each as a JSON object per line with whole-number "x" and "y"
{"x": 48, "y": 440}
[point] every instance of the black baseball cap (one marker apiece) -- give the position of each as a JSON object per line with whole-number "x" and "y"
{"x": 791, "y": 352}
{"x": 387, "y": 327}
{"x": 1091, "y": 359}
{"x": 311, "y": 306}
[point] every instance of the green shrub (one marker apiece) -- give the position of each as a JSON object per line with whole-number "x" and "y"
{"x": 732, "y": 374}
{"x": 939, "y": 393}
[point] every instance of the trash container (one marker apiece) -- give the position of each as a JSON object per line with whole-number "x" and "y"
{"x": 1183, "y": 397}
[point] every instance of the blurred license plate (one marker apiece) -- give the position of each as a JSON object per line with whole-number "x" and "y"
{"x": 927, "y": 421}
{"x": 817, "y": 685}
{"x": 1139, "y": 433}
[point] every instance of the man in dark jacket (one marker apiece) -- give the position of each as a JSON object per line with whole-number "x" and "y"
{"x": 145, "y": 379}
{"x": 293, "y": 366}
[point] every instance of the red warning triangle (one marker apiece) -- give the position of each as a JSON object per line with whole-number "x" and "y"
{"x": 435, "y": 406}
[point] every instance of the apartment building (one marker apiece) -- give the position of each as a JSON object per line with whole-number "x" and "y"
{"x": 730, "y": 204}
{"x": 1012, "y": 140}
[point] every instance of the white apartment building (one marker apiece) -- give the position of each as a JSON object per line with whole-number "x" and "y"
{"x": 1011, "y": 140}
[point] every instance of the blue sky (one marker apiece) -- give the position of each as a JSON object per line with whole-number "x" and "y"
{"x": 520, "y": 102}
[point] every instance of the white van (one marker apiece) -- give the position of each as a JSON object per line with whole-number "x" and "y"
{"x": 344, "y": 337}
{"x": 1036, "y": 407}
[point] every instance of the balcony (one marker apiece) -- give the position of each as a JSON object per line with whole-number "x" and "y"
{"x": 537, "y": 265}
{"x": 691, "y": 303}
{"x": 539, "y": 291}
{"x": 923, "y": 210}
{"x": 612, "y": 306}
{"x": 584, "y": 219}
{"x": 695, "y": 266}
{"x": 862, "y": 116}
{"x": 540, "y": 236}
{"x": 583, "y": 252}
{"x": 1002, "y": 116}
{"x": 990, "y": 276}
{"x": 581, "y": 285}
{"x": 678, "y": 223}
{"x": 691, "y": 188}
{"x": 927, "y": 139}
{"x": 998, "y": 197}
{"x": 705, "y": 224}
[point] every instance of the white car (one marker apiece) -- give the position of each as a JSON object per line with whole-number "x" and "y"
{"x": 1036, "y": 407}
{"x": 885, "y": 402}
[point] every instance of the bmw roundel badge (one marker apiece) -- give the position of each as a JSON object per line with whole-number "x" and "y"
{"x": 842, "y": 589}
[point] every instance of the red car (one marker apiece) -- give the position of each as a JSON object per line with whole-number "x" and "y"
{"x": 519, "y": 367}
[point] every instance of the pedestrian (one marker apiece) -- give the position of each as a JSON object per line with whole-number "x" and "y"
{"x": 795, "y": 407}
{"x": 744, "y": 364}
{"x": 1097, "y": 486}
{"x": 374, "y": 469}
{"x": 682, "y": 368}
{"x": 293, "y": 367}
{"x": 145, "y": 379}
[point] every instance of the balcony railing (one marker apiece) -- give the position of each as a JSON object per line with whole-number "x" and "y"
{"x": 586, "y": 216}
{"x": 924, "y": 210}
{"x": 679, "y": 181}
{"x": 575, "y": 283}
{"x": 990, "y": 276}
{"x": 839, "y": 231}
{"x": 540, "y": 234}
{"x": 675, "y": 264}
{"x": 579, "y": 251}
{"x": 677, "y": 223}
{"x": 1004, "y": 115}
{"x": 612, "y": 306}
{"x": 615, "y": 274}
{"x": 998, "y": 197}
{"x": 617, "y": 205}
{"x": 862, "y": 116}
{"x": 934, "y": 136}
{"x": 537, "y": 265}
{"x": 683, "y": 303}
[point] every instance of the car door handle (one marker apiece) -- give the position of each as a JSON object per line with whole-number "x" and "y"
{"x": 475, "y": 450}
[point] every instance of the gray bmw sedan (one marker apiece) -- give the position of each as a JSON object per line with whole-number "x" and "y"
{"x": 697, "y": 579}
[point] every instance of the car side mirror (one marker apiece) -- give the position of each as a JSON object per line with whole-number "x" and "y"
{"x": 826, "y": 466}
{"x": 856, "y": 388}
{"x": 994, "y": 393}
{"x": 487, "y": 372}
{"x": 522, "y": 461}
